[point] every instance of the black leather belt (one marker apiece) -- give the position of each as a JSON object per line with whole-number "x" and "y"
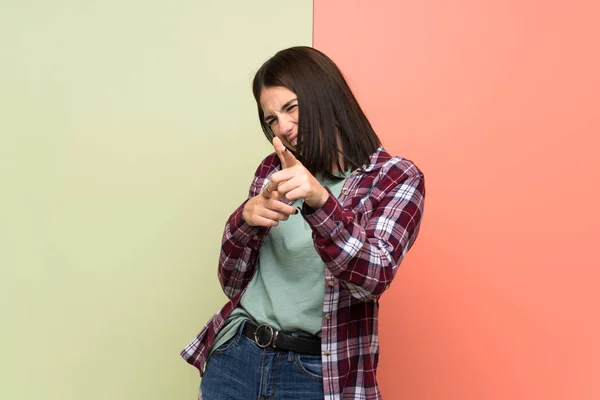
{"x": 265, "y": 336}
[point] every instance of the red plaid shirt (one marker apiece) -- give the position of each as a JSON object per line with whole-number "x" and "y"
{"x": 362, "y": 236}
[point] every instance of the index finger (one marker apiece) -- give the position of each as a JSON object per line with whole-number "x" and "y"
{"x": 285, "y": 156}
{"x": 270, "y": 191}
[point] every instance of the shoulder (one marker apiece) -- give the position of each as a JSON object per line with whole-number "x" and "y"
{"x": 401, "y": 167}
{"x": 387, "y": 174}
{"x": 268, "y": 165}
{"x": 395, "y": 167}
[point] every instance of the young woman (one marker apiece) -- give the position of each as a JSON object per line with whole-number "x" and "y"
{"x": 304, "y": 259}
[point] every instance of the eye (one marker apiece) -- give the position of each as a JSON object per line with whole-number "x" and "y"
{"x": 271, "y": 122}
{"x": 292, "y": 107}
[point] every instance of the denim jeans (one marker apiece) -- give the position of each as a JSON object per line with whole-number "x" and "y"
{"x": 240, "y": 370}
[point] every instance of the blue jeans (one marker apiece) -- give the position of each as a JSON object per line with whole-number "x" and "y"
{"x": 240, "y": 370}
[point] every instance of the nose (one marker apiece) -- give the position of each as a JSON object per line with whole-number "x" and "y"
{"x": 285, "y": 124}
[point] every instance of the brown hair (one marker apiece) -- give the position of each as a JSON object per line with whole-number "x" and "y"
{"x": 327, "y": 107}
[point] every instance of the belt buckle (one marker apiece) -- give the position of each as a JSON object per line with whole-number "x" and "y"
{"x": 256, "y": 332}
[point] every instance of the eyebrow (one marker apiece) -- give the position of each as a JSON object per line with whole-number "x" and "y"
{"x": 283, "y": 107}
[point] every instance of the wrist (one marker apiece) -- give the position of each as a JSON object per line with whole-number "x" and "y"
{"x": 321, "y": 198}
{"x": 246, "y": 215}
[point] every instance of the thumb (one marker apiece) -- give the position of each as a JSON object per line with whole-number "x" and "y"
{"x": 285, "y": 156}
{"x": 270, "y": 193}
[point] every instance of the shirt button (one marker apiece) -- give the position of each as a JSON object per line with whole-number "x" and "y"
{"x": 255, "y": 237}
{"x": 345, "y": 191}
{"x": 326, "y": 353}
{"x": 355, "y": 173}
{"x": 327, "y": 316}
{"x": 330, "y": 284}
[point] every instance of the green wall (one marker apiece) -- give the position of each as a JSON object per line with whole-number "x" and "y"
{"x": 128, "y": 134}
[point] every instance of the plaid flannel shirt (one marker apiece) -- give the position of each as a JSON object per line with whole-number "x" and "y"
{"x": 362, "y": 236}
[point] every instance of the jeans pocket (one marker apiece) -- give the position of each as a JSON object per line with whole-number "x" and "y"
{"x": 310, "y": 365}
{"x": 225, "y": 346}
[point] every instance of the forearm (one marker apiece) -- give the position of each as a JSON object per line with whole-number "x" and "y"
{"x": 362, "y": 253}
{"x": 239, "y": 252}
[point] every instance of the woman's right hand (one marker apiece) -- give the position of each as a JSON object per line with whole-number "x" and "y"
{"x": 266, "y": 209}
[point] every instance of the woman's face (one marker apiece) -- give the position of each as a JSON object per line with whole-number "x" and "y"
{"x": 280, "y": 109}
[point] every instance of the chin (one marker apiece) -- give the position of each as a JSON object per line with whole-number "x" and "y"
{"x": 289, "y": 146}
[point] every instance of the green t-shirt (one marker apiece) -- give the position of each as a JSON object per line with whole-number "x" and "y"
{"x": 288, "y": 287}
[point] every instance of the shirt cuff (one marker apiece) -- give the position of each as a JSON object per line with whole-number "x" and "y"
{"x": 242, "y": 232}
{"x": 326, "y": 219}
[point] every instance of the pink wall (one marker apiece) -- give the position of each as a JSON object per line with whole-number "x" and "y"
{"x": 498, "y": 103}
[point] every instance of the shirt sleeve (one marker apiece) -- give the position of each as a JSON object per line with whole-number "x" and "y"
{"x": 364, "y": 251}
{"x": 241, "y": 242}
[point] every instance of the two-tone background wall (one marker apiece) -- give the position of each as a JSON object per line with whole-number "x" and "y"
{"x": 128, "y": 133}
{"x": 499, "y": 103}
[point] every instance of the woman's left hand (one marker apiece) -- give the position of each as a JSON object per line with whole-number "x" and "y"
{"x": 294, "y": 181}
